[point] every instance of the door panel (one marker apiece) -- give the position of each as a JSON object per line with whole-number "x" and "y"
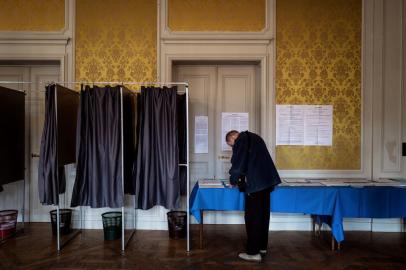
{"x": 235, "y": 93}
{"x": 202, "y": 84}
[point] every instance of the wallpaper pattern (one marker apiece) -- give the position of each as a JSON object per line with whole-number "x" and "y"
{"x": 216, "y": 15}
{"x": 32, "y": 15}
{"x": 116, "y": 40}
{"x": 318, "y": 61}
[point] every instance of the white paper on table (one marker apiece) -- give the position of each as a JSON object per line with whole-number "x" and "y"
{"x": 232, "y": 121}
{"x": 294, "y": 180}
{"x": 384, "y": 180}
{"x": 201, "y": 134}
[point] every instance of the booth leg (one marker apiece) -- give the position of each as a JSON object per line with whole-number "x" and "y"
{"x": 201, "y": 231}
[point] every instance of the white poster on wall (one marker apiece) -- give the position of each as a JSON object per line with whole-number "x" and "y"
{"x": 232, "y": 121}
{"x": 201, "y": 134}
{"x": 304, "y": 125}
{"x": 325, "y": 131}
{"x": 289, "y": 124}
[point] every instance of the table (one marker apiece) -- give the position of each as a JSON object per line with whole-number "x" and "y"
{"x": 334, "y": 202}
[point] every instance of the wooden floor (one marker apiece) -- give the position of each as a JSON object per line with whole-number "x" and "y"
{"x": 154, "y": 250}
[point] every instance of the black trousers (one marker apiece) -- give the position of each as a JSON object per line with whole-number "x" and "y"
{"x": 257, "y": 213}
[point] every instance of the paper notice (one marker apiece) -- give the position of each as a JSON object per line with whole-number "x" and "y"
{"x": 304, "y": 125}
{"x": 232, "y": 121}
{"x": 201, "y": 134}
{"x": 289, "y": 124}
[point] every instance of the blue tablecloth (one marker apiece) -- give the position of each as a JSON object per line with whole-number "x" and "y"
{"x": 336, "y": 202}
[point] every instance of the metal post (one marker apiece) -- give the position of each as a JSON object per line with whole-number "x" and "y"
{"x": 135, "y": 212}
{"x": 187, "y": 171}
{"x": 58, "y": 241}
{"x": 81, "y": 217}
{"x": 122, "y": 174}
{"x": 23, "y": 208}
{"x": 58, "y": 221}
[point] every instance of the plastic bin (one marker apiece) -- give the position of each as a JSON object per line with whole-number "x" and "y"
{"x": 112, "y": 225}
{"x": 65, "y": 217}
{"x": 177, "y": 224}
{"x": 8, "y": 223}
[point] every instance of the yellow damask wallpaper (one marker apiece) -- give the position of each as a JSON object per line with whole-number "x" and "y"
{"x": 32, "y": 15}
{"x": 318, "y": 61}
{"x": 216, "y": 15}
{"x": 116, "y": 40}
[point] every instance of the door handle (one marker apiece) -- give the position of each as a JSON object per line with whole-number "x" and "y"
{"x": 34, "y": 155}
{"x": 223, "y": 157}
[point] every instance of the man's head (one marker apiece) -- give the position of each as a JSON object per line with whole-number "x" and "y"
{"x": 231, "y": 136}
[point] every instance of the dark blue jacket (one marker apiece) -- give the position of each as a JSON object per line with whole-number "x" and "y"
{"x": 252, "y": 159}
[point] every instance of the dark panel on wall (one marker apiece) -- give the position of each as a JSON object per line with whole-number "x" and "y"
{"x": 404, "y": 149}
{"x": 67, "y": 111}
{"x": 12, "y": 138}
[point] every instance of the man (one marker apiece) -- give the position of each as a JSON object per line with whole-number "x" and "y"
{"x": 254, "y": 172}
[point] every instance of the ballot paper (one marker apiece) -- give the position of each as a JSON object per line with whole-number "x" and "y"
{"x": 394, "y": 184}
{"x": 294, "y": 180}
{"x": 315, "y": 180}
{"x": 352, "y": 180}
{"x": 384, "y": 180}
{"x": 211, "y": 184}
{"x": 304, "y": 184}
{"x": 328, "y": 183}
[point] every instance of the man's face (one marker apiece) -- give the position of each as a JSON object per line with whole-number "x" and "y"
{"x": 232, "y": 139}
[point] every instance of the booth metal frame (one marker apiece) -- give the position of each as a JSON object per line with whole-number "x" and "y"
{"x": 124, "y": 243}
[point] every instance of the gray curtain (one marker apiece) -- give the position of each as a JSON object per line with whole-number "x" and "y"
{"x": 156, "y": 172}
{"x": 57, "y": 142}
{"x": 99, "y": 169}
{"x": 12, "y": 138}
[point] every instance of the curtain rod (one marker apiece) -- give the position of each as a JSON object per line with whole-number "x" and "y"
{"x": 18, "y": 90}
{"x": 87, "y": 82}
{"x": 121, "y": 83}
{"x": 11, "y": 82}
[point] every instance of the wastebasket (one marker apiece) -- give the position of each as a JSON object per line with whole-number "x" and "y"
{"x": 177, "y": 224}
{"x": 112, "y": 225}
{"x": 8, "y": 223}
{"x": 65, "y": 219}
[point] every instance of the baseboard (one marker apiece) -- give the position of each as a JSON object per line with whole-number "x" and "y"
{"x": 278, "y": 222}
